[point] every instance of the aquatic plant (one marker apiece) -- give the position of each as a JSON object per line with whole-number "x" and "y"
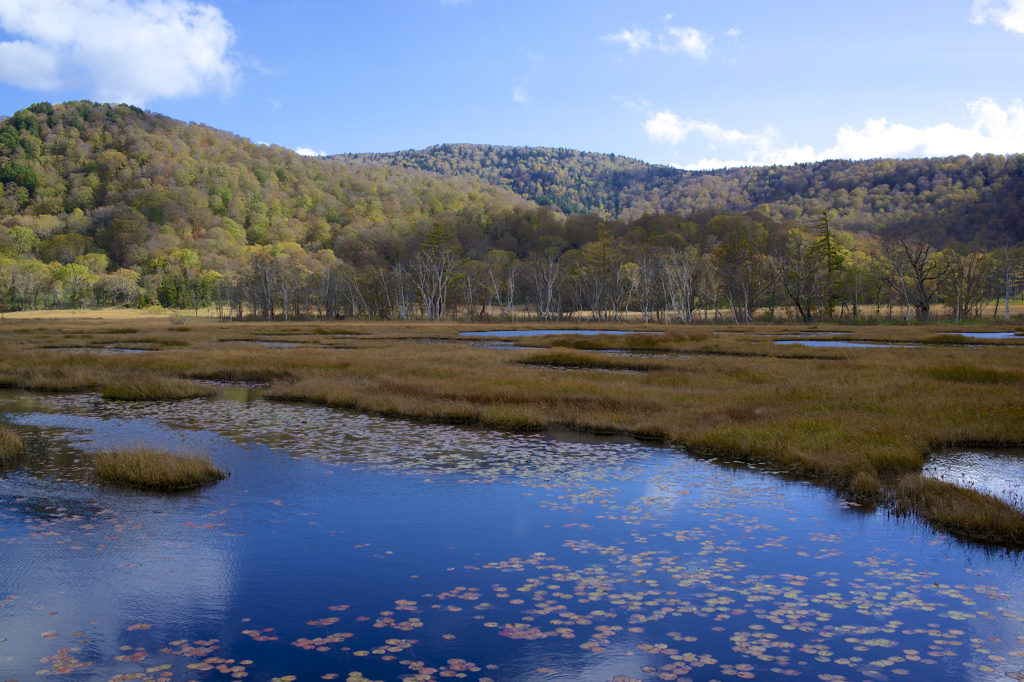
{"x": 157, "y": 468}
{"x": 11, "y": 445}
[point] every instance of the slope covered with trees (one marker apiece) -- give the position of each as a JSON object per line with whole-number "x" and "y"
{"x": 112, "y": 205}
{"x": 978, "y": 198}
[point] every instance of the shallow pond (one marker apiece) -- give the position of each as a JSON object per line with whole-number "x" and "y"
{"x": 986, "y": 335}
{"x": 348, "y": 546}
{"x": 838, "y": 344}
{"x": 508, "y": 333}
{"x": 102, "y": 350}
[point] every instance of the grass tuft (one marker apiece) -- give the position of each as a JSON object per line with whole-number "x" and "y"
{"x": 963, "y": 511}
{"x": 951, "y": 340}
{"x": 154, "y": 468}
{"x": 11, "y": 445}
{"x": 156, "y": 388}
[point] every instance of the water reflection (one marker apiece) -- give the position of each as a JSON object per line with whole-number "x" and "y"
{"x": 987, "y": 335}
{"x": 840, "y": 344}
{"x": 348, "y": 543}
{"x": 548, "y": 332}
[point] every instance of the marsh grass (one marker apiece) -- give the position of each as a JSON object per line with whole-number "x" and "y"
{"x": 856, "y": 419}
{"x": 668, "y": 340}
{"x": 11, "y": 445}
{"x": 961, "y": 510}
{"x": 156, "y": 388}
{"x": 578, "y": 360}
{"x": 966, "y": 374}
{"x": 153, "y": 468}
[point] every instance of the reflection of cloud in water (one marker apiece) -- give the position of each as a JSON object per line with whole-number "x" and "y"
{"x": 115, "y": 571}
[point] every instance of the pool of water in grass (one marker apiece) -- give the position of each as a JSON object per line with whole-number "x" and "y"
{"x": 346, "y": 546}
{"x": 987, "y": 335}
{"x": 998, "y": 471}
{"x": 510, "y": 333}
{"x": 837, "y": 344}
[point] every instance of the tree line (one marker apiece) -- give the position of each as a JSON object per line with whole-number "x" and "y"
{"x": 723, "y": 268}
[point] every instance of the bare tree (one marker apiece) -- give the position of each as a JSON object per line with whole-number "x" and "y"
{"x": 435, "y": 271}
{"x": 680, "y": 271}
{"x": 910, "y": 252}
{"x": 963, "y": 286}
{"x": 1008, "y": 267}
{"x": 546, "y": 273}
{"x": 502, "y": 268}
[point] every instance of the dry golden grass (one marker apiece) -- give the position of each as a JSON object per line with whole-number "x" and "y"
{"x": 156, "y": 388}
{"x": 11, "y": 445}
{"x": 577, "y": 360}
{"x": 154, "y": 468}
{"x": 952, "y": 507}
{"x": 858, "y": 419}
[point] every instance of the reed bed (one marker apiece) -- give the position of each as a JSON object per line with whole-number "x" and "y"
{"x": 860, "y": 420}
{"x": 12, "y": 445}
{"x": 951, "y": 507}
{"x": 156, "y": 388}
{"x": 154, "y": 468}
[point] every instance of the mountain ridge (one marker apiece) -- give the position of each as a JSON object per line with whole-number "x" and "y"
{"x": 967, "y": 194}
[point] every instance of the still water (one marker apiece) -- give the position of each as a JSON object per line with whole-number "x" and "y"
{"x": 353, "y": 547}
{"x": 998, "y": 471}
{"x": 511, "y": 333}
{"x": 837, "y": 344}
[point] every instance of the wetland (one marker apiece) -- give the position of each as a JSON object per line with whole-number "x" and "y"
{"x": 712, "y": 507}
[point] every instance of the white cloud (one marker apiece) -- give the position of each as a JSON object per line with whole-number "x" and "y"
{"x": 995, "y": 130}
{"x": 306, "y": 151}
{"x": 733, "y": 33}
{"x": 636, "y": 40}
{"x": 1009, "y": 13}
{"x": 122, "y": 50}
{"x": 689, "y": 40}
{"x": 519, "y": 94}
{"x": 28, "y": 66}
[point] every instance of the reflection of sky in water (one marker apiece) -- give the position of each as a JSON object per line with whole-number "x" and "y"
{"x": 986, "y": 335}
{"x": 837, "y": 344}
{"x": 999, "y": 472}
{"x": 508, "y": 333}
{"x": 326, "y": 507}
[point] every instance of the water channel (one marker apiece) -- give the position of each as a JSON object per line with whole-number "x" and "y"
{"x": 353, "y": 547}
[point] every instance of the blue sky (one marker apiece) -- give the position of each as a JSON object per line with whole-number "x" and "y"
{"x": 694, "y": 84}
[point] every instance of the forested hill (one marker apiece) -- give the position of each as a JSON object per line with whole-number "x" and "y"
{"x": 136, "y": 187}
{"x": 978, "y": 198}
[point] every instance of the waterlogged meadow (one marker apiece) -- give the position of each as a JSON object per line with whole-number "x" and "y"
{"x": 353, "y": 547}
